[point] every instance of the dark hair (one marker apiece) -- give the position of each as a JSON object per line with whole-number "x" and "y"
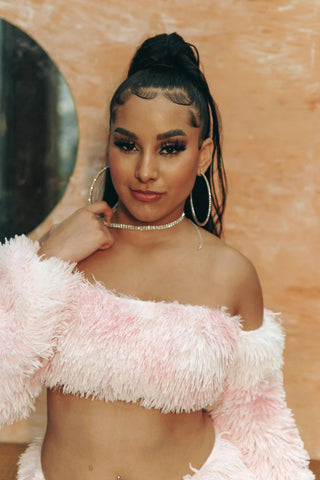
{"x": 168, "y": 63}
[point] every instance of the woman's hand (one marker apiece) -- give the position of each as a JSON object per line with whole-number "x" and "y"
{"x": 79, "y": 235}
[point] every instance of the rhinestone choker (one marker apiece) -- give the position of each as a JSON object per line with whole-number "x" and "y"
{"x": 125, "y": 226}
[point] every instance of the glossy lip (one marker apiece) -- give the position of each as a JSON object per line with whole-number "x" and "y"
{"x": 146, "y": 195}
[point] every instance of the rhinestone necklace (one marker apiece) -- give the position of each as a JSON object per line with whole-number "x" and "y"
{"x": 125, "y": 226}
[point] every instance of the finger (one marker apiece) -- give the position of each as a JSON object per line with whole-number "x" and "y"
{"x": 107, "y": 245}
{"x": 101, "y": 208}
{"x": 98, "y": 207}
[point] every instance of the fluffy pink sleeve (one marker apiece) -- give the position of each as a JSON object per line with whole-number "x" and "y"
{"x": 253, "y": 410}
{"x": 35, "y": 298}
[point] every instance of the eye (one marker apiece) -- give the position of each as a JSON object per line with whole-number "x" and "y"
{"x": 172, "y": 147}
{"x": 125, "y": 145}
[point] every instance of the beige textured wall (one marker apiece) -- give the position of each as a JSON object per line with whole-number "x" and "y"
{"x": 262, "y": 59}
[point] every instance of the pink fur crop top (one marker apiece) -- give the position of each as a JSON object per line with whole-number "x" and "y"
{"x": 60, "y": 331}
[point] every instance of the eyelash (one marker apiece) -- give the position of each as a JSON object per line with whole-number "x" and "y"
{"x": 176, "y": 146}
{"x": 125, "y": 145}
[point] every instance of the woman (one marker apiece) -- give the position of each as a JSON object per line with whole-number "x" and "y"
{"x": 174, "y": 373}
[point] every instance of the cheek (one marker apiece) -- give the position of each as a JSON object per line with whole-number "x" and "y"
{"x": 185, "y": 172}
{"x": 119, "y": 169}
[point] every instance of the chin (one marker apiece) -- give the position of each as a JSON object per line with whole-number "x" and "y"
{"x": 150, "y": 212}
{"x": 147, "y": 218}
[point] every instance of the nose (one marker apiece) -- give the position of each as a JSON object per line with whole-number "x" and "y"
{"x": 147, "y": 166}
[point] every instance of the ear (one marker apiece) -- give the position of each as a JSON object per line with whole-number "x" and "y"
{"x": 205, "y": 155}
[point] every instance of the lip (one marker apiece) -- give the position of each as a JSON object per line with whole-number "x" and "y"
{"x": 146, "y": 195}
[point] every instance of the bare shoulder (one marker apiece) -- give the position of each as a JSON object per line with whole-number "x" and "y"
{"x": 241, "y": 279}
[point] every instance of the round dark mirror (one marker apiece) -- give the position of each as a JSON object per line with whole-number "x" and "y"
{"x": 38, "y": 133}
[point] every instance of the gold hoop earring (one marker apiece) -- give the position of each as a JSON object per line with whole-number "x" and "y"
{"x": 194, "y": 216}
{"x": 93, "y": 185}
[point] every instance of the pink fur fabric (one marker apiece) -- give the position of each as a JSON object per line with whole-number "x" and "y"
{"x": 60, "y": 331}
{"x": 30, "y": 463}
{"x": 34, "y": 299}
{"x": 253, "y": 410}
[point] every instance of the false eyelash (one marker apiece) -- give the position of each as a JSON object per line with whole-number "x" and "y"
{"x": 128, "y": 145}
{"x": 125, "y": 145}
{"x": 177, "y": 145}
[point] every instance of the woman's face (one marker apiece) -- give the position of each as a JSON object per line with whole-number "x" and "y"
{"x": 154, "y": 158}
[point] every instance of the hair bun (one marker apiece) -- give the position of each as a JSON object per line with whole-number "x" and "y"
{"x": 165, "y": 50}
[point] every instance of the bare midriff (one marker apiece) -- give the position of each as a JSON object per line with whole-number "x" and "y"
{"x": 98, "y": 440}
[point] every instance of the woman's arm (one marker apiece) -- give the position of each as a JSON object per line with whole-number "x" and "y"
{"x": 38, "y": 295}
{"x": 253, "y": 409}
{"x": 34, "y": 294}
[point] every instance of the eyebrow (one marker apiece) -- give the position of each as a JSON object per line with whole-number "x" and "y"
{"x": 161, "y": 136}
{"x": 171, "y": 133}
{"x": 127, "y": 133}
